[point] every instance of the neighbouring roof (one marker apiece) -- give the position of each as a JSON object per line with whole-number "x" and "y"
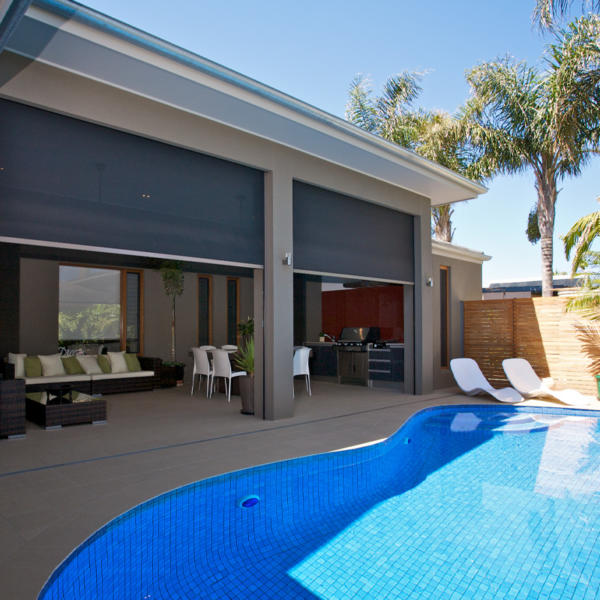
{"x": 72, "y": 37}
{"x": 449, "y": 250}
{"x": 530, "y": 285}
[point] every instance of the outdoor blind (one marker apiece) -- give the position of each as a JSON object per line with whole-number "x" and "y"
{"x": 68, "y": 181}
{"x": 335, "y": 233}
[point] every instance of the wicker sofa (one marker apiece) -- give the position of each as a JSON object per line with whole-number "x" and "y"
{"x": 102, "y": 383}
{"x": 12, "y": 408}
{"x": 93, "y": 410}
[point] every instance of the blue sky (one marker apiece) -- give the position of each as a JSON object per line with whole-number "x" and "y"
{"x": 313, "y": 49}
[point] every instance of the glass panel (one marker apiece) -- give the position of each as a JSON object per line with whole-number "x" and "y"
{"x": 444, "y": 316}
{"x": 89, "y": 306}
{"x": 133, "y": 312}
{"x": 232, "y": 316}
{"x": 203, "y": 311}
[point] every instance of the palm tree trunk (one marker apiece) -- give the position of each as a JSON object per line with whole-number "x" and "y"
{"x": 442, "y": 222}
{"x": 546, "y": 188}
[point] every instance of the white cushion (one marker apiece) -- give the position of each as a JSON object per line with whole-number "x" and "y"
{"x": 117, "y": 362}
{"x": 51, "y": 365}
{"x": 89, "y": 364}
{"x": 56, "y": 379}
{"x": 17, "y": 360}
{"x": 122, "y": 375}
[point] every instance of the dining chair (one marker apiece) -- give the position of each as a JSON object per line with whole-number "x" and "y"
{"x": 222, "y": 368}
{"x": 301, "y": 365}
{"x": 208, "y": 347}
{"x": 229, "y": 347}
{"x": 202, "y": 367}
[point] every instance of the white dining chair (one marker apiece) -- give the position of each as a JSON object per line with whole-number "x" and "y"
{"x": 202, "y": 367}
{"x": 301, "y": 365}
{"x": 222, "y": 368}
{"x": 207, "y": 348}
{"x": 229, "y": 347}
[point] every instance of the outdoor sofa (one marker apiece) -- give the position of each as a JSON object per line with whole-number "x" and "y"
{"x": 86, "y": 405}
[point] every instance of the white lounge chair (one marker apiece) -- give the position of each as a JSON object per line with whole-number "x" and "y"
{"x": 471, "y": 381}
{"x": 522, "y": 376}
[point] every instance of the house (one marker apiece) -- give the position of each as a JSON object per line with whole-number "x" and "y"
{"x": 119, "y": 150}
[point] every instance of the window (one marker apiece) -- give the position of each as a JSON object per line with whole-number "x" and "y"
{"x": 444, "y": 315}
{"x": 204, "y": 310}
{"x": 233, "y": 309}
{"x": 100, "y": 305}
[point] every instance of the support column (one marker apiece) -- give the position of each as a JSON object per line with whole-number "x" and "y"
{"x": 278, "y": 296}
{"x": 423, "y": 305}
{"x": 259, "y": 396}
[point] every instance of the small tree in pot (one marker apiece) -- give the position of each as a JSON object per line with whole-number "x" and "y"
{"x": 173, "y": 279}
{"x": 244, "y": 361}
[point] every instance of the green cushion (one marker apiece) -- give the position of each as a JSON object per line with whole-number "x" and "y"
{"x": 104, "y": 363}
{"x": 72, "y": 366}
{"x": 33, "y": 366}
{"x": 132, "y": 362}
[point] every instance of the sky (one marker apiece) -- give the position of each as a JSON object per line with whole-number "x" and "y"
{"x": 313, "y": 49}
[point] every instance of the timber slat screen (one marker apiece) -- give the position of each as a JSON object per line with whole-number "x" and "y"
{"x": 537, "y": 329}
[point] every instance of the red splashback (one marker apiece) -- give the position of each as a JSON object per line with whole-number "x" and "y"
{"x": 379, "y": 306}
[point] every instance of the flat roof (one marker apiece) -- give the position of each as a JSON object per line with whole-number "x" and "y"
{"x": 70, "y": 36}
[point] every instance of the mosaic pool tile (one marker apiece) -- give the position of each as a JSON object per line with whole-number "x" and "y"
{"x": 470, "y": 502}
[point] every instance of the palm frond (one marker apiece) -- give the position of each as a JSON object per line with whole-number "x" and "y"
{"x": 546, "y": 12}
{"x": 589, "y": 336}
{"x": 360, "y": 108}
{"x": 580, "y": 238}
{"x": 586, "y": 303}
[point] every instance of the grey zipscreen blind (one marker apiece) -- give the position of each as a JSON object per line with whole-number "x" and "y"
{"x": 334, "y": 233}
{"x": 66, "y": 180}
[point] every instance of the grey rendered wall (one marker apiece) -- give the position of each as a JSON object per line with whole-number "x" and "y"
{"x": 465, "y": 284}
{"x": 72, "y": 95}
{"x": 38, "y": 306}
{"x": 314, "y": 316}
{"x": 38, "y": 321}
{"x": 157, "y": 324}
{"x": 9, "y": 299}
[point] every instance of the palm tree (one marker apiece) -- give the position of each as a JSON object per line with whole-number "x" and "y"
{"x": 430, "y": 134}
{"x": 519, "y": 119}
{"x": 546, "y": 11}
{"x": 586, "y": 263}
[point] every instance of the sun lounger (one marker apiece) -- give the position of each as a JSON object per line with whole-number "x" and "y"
{"x": 471, "y": 381}
{"x": 522, "y": 376}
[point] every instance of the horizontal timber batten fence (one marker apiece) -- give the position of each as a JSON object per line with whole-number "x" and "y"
{"x": 537, "y": 329}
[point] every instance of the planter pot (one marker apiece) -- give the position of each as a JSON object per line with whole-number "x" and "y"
{"x": 247, "y": 394}
{"x": 179, "y": 372}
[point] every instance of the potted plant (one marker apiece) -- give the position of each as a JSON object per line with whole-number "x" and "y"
{"x": 246, "y": 329}
{"x": 173, "y": 279}
{"x": 244, "y": 360}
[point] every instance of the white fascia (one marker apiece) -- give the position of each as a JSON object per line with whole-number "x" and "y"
{"x": 449, "y": 250}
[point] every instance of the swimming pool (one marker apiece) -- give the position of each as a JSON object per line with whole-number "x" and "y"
{"x": 462, "y": 502}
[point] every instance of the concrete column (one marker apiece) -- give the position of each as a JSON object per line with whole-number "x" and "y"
{"x": 423, "y": 305}
{"x": 278, "y": 296}
{"x": 258, "y": 303}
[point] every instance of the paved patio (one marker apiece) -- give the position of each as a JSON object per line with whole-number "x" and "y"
{"x": 57, "y": 487}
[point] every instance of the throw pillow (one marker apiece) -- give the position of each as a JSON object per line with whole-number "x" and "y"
{"x": 117, "y": 362}
{"x": 32, "y": 366}
{"x": 72, "y": 366}
{"x": 133, "y": 363}
{"x": 51, "y": 365}
{"x": 104, "y": 363}
{"x": 90, "y": 365}
{"x": 17, "y": 360}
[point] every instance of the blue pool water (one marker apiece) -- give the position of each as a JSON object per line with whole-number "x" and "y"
{"x": 462, "y": 502}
